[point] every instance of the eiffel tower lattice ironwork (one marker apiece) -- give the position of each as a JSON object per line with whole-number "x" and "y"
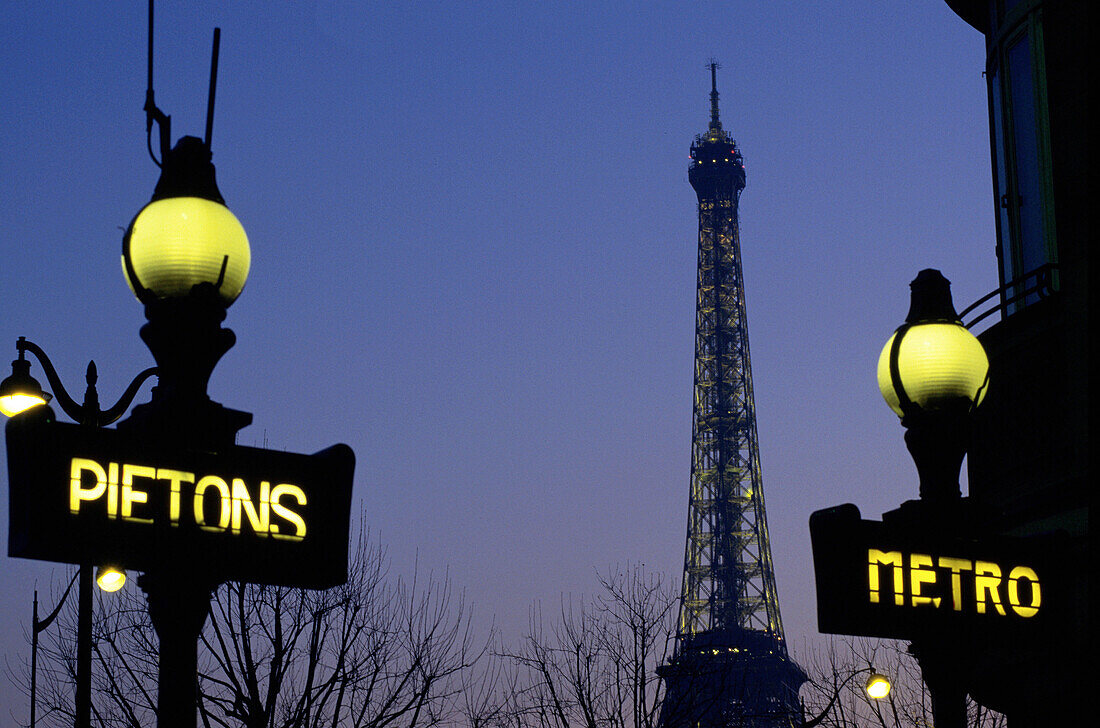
{"x": 730, "y": 667}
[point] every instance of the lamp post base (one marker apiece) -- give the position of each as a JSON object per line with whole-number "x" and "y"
{"x": 84, "y": 648}
{"x": 178, "y": 606}
{"x": 940, "y": 672}
{"x": 938, "y": 440}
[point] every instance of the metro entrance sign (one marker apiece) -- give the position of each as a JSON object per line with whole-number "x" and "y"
{"x": 905, "y": 580}
{"x": 86, "y": 495}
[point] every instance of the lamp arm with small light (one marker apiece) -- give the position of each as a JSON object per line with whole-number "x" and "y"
{"x": 43, "y": 624}
{"x": 67, "y": 403}
{"x": 88, "y": 413}
{"x": 836, "y": 696}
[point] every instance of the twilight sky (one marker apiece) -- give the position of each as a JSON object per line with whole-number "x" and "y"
{"x": 474, "y": 247}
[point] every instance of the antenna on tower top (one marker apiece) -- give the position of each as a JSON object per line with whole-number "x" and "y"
{"x": 213, "y": 87}
{"x": 152, "y": 113}
{"x": 712, "y": 64}
{"x": 164, "y": 121}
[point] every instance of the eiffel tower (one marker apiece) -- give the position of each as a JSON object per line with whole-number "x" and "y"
{"x": 730, "y": 667}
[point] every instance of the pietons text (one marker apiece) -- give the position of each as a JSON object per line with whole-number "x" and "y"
{"x": 214, "y": 502}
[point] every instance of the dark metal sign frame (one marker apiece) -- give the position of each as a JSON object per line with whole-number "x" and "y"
{"x": 83, "y": 495}
{"x": 906, "y": 581}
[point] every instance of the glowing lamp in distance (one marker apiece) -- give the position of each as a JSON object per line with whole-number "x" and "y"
{"x": 878, "y": 686}
{"x": 110, "y": 578}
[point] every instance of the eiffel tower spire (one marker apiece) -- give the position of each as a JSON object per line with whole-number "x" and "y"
{"x": 731, "y": 666}
{"x": 715, "y": 122}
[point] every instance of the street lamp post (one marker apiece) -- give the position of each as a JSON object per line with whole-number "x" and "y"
{"x": 186, "y": 258}
{"x": 932, "y": 373}
{"x": 20, "y": 392}
{"x": 37, "y": 626}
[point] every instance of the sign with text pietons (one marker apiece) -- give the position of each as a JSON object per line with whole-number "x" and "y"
{"x": 96, "y": 496}
{"x": 880, "y": 580}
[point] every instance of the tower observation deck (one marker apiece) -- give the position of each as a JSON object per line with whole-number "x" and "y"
{"x": 730, "y": 667}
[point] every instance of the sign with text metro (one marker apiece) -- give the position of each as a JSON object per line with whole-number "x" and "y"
{"x": 883, "y": 580}
{"x": 96, "y": 496}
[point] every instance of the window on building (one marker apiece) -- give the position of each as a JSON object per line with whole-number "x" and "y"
{"x": 1021, "y": 153}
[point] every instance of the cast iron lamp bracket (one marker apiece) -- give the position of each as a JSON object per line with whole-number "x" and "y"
{"x": 89, "y": 412}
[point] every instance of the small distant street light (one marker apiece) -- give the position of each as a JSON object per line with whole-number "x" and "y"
{"x": 877, "y": 686}
{"x": 21, "y": 393}
{"x": 110, "y": 578}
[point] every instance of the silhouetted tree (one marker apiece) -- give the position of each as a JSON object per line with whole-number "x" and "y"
{"x": 376, "y": 652}
{"x": 596, "y": 667}
{"x": 835, "y": 691}
{"x": 380, "y": 652}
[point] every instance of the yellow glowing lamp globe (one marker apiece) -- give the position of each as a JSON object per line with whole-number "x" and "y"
{"x": 937, "y": 363}
{"x": 878, "y": 686}
{"x": 110, "y": 578}
{"x": 176, "y": 243}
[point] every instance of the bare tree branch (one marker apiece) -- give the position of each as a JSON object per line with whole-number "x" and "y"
{"x": 376, "y": 652}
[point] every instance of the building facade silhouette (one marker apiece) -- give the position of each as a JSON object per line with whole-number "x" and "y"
{"x": 1030, "y": 463}
{"x": 730, "y": 666}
